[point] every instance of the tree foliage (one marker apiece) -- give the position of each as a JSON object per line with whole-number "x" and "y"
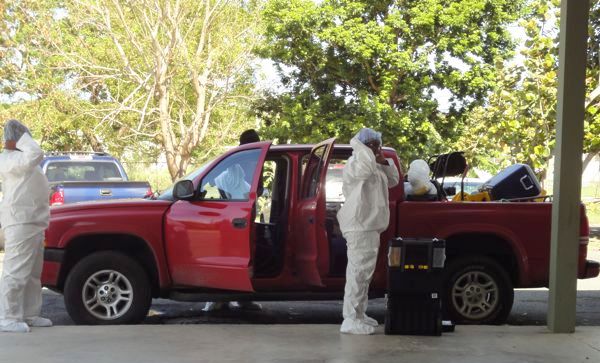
{"x": 32, "y": 85}
{"x": 518, "y": 123}
{"x": 592, "y": 119}
{"x": 348, "y": 63}
{"x": 162, "y": 71}
{"x": 140, "y": 77}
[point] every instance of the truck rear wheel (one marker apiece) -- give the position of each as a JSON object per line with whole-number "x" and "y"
{"x": 477, "y": 291}
{"x": 107, "y": 288}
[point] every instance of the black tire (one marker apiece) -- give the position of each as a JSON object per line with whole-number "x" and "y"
{"x": 477, "y": 290}
{"x": 118, "y": 280}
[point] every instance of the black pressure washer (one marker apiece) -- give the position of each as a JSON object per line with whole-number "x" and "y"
{"x": 414, "y": 304}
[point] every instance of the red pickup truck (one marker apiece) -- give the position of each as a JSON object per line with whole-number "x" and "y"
{"x": 259, "y": 223}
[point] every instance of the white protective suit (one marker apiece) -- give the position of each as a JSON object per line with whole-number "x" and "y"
{"x": 24, "y": 217}
{"x": 364, "y": 215}
{"x": 232, "y": 182}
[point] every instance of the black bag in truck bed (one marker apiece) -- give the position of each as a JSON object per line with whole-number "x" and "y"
{"x": 515, "y": 181}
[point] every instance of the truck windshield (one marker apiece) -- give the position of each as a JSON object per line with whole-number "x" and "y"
{"x": 81, "y": 171}
{"x": 167, "y": 194}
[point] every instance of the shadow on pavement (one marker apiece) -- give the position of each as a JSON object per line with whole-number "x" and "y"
{"x": 530, "y": 308}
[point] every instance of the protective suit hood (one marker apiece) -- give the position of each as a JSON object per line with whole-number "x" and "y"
{"x": 233, "y": 183}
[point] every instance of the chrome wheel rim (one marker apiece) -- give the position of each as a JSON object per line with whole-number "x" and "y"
{"x": 107, "y": 294}
{"x": 475, "y": 295}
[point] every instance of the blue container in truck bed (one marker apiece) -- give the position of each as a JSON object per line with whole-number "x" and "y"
{"x": 82, "y": 176}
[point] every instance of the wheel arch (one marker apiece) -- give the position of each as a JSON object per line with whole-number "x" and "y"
{"x": 130, "y": 245}
{"x": 489, "y": 245}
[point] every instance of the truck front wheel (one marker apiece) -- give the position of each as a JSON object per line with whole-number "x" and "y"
{"x": 477, "y": 291}
{"x": 107, "y": 288}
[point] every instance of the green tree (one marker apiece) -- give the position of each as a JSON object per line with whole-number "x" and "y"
{"x": 517, "y": 124}
{"x": 138, "y": 78}
{"x": 162, "y": 71}
{"x": 592, "y": 119}
{"x": 346, "y": 64}
{"x": 32, "y": 84}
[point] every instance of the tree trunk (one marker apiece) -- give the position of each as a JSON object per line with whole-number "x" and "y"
{"x": 93, "y": 140}
{"x": 588, "y": 158}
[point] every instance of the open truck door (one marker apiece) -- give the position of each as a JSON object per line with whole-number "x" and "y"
{"x": 209, "y": 238}
{"x": 310, "y": 221}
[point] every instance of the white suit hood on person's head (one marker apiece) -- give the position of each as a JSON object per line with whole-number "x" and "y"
{"x": 365, "y": 188}
{"x": 13, "y": 130}
{"x": 366, "y": 135}
{"x": 232, "y": 182}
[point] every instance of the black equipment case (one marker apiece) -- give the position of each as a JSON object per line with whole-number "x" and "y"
{"x": 414, "y": 286}
{"x": 515, "y": 181}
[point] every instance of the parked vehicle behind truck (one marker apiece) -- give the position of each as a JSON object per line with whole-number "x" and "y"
{"x": 200, "y": 241}
{"x": 82, "y": 176}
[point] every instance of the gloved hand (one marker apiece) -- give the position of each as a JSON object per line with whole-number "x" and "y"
{"x": 13, "y": 130}
{"x": 380, "y": 159}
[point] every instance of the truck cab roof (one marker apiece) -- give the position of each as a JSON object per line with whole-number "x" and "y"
{"x": 77, "y": 156}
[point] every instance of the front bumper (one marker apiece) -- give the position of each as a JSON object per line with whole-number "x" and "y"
{"x": 53, "y": 259}
{"x": 592, "y": 269}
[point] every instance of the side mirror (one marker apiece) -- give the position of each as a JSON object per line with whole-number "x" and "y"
{"x": 184, "y": 190}
{"x": 450, "y": 191}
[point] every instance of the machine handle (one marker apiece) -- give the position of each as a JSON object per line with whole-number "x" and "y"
{"x": 522, "y": 180}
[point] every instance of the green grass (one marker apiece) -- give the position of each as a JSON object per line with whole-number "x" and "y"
{"x": 159, "y": 179}
{"x": 588, "y": 193}
{"x": 591, "y": 191}
{"x": 593, "y": 213}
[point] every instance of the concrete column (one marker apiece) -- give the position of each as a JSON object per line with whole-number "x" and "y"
{"x": 567, "y": 171}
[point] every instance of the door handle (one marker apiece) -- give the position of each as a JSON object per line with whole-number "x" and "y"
{"x": 311, "y": 220}
{"x": 105, "y": 192}
{"x": 239, "y": 223}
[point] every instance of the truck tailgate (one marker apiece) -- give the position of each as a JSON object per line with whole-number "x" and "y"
{"x": 82, "y": 191}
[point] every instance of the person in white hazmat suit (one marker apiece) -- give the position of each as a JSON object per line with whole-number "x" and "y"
{"x": 24, "y": 217}
{"x": 232, "y": 183}
{"x": 364, "y": 215}
{"x": 233, "y": 180}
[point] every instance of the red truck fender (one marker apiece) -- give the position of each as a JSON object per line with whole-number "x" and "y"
{"x": 457, "y": 232}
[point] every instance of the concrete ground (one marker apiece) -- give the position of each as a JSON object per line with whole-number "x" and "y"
{"x": 193, "y": 340}
{"x": 298, "y": 343}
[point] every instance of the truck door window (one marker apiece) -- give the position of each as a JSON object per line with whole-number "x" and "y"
{"x": 232, "y": 178}
{"x": 313, "y": 167}
{"x": 273, "y": 195}
{"x": 333, "y": 179}
{"x": 264, "y": 201}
